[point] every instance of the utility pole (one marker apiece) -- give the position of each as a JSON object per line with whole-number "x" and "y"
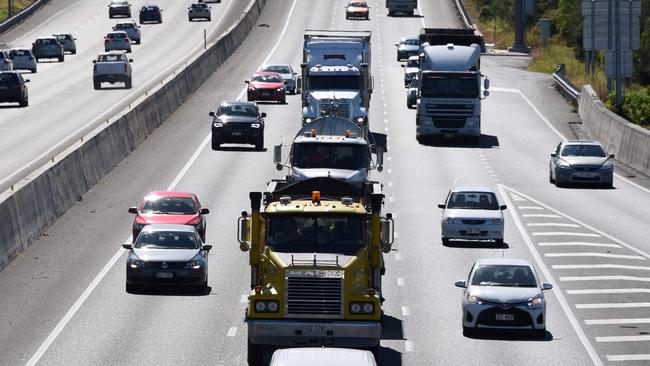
{"x": 520, "y": 28}
{"x": 10, "y": 8}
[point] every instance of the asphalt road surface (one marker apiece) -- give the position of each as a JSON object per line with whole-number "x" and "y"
{"x": 64, "y": 301}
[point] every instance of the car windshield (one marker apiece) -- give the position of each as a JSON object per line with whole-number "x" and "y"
{"x": 334, "y": 234}
{"x": 334, "y": 156}
{"x": 167, "y": 240}
{"x": 473, "y": 201}
{"x": 63, "y": 37}
{"x": 18, "y": 53}
{"x": 111, "y": 58}
{"x": 583, "y": 150}
{"x": 277, "y": 68}
{"x": 237, "y": 110}
{"x": 119, "y": 3}
{"x": 411, "y": 42}
{"x": 450, "y": 87}
{"x": 413, "y": 63}
{"x": 169, "y": 205}
{"x": 267, "y": 78}
{"x": 504, "y": 275}
{"x": 8, "y": 78}
{"x": 199, "y": 6}
{"x": 331, "y": 82}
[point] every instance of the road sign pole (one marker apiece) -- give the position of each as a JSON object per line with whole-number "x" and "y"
{"x": 618, "y": 73}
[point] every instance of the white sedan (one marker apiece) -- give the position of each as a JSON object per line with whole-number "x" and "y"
{"x": 503, "y": 293}
{"x": 23, "y": 59}
{"x": 472, "y": 213}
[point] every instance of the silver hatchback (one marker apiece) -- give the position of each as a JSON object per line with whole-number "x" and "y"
{"x": 581, "y": 161}
{"x": 199, "y": 11}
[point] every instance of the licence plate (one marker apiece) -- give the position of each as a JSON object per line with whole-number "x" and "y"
{"x": 164, "y": 275}
{"x": 314, "y": 329}
{"x": 585, "y": 175}
{"x": 448, "y": 135}
{"x": 236, "y": 133}
{"x": 473, "y": 231}
{"x": 505, "y": 317}
{"x": 266, "y": 94}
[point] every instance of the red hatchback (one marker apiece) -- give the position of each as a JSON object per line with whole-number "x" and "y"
{"x": 267, "y": 86}
{"x": 169, "y": 208}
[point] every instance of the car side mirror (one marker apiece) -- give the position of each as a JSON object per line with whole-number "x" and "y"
{"x": 403, "y": 66}
{"x": 127, "y": 246}
{"x": 461, "y": 284}
{"x": 133, "y": 210}
{"x": 441, "y": 205}
{"x": 286, "y": 82}
{"x": 503, "y": 207}
{"x": 611, "y": 156}
{"x": 130, "y": 60}
{"x": 211, "y": 114}
{"x": 396, "y": 44}
{"x": 553, "y": 155}
{"x": 205, "y": 211}
{"x": 207, "y": 247}
{"x": 263, "y": 115}
{"x": 246, "y": 81}
{"x": 27, "y": 80}
{"x": 546, "y": 286}
{"x": 94, "y": 61}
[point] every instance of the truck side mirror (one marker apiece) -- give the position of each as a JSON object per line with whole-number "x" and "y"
{"x": 277, "y": 156}
{"x": 387, "y": 233}
{"x": 380, "y": 159}
{"x": 242, "y": 232}
{"x": 486, "y": 84}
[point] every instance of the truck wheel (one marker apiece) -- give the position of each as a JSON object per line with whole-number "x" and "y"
{"x": 128, "y": 83}
{"x": 97, "y": 85}
{"x": 256, "y": 354}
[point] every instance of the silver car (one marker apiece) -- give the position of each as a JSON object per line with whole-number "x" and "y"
{"x": 407, "y": 47}
{"x": 117, "y": 41}
{"x": 286, "y": 72}
{"x": 199, "y": 11}
{"x": 581, "y": 161}
{"x": 411, "y": 69}
{"x": 48, "y": 47}
{"x": 6, "y": 63}
{"x": 412, "y": 93}
{"x": 503, "y": 293}
{"x": 68, "y": 41}
{"x": 167, "y": 254}
{"x": 327, "y": 356}
{"x": 131, "y": 28}
{"x": 472, "y": 213}
{"x": 23, "y": 59}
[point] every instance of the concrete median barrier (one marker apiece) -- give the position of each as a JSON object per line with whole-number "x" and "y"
{"x": 629, "y": 142}
{"x": 29, "y": 206}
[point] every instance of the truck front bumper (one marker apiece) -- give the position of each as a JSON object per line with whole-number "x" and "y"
{"x": 427, "y": 127}
{"x": 291, "y": 333}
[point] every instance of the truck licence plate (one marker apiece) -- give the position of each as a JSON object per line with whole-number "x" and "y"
{"x": 164, "y": 275}
{"x": 314, "y": 329}
{"x": 505, "y": 317}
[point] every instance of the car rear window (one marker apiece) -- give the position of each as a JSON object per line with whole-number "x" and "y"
{"x": 473, "y": 201}
{"x": 18, "y": 53}
{"x": 278, "y": 69}
{"x": 45, "y": 41}
{"x": 111, "y": 58}
{"x": 117, "y": 35}
{"x": 167, "y": 240}
{"x": 504, "y": 275}
{"x": 8, "y": 78}
{"x": 411, "y": 42}
{"x": 169, "y": 205}
{"x": 124, "y": 25}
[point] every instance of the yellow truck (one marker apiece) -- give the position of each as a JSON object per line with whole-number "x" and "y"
{"x": 316, "y": 256}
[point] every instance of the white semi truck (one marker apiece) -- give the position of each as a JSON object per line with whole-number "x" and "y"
{"x": 449, "y": 85}
{"x": 336, "y": 78}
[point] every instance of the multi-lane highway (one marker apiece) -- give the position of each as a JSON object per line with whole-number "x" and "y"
{"x": 64, "y": 301}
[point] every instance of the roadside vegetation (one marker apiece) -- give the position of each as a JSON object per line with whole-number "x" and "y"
{"x": 18, "y": 6}
{"x": 494, "y": 17}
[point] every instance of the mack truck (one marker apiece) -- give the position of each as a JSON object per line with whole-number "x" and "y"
{"x": 316, "y": 257}
{"x": 449, "y": 84}
{"x": 406, "y": 7}
{"x": 332, "y": 147}
{"x": 336, "y": 76}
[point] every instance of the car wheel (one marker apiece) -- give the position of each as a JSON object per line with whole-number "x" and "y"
{"x": 128, "y": 83}
{"x": 189, "y": 18}
{"x": 61, "y": 58}
{"x": 468, "y": 332}
{"x": 216, "y": 145}
{"x": 550, "y": 177}
{"x": 259, "y": 145}
{"x": 209, "y": 19}
{"x": 128, "y": 50}
{"x": 473, "y": 140}
{"x": 97, "y": 85}
{"x": 557, "y": 182}
{"x": 541, "y": 333}
{"x": 24, "y": 102}
{"x": 131, "y": 288}
{"x": 498, "y": 241}
{"x": 445, "y": 241}
{"x": 283, "y": 100}
{"x": 419, "y": 138}
{"x": 33, "y": 71}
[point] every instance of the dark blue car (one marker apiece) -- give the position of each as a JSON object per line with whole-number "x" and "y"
{"x": 151, "y": 14}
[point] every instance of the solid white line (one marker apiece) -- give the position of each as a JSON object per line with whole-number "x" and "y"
{"x": 604, "y": 278}
{"x": 610, "y": 291}
{"x": 614, "y": 305}
{"x": 408, "y": 346}
{"x": 548, "y": 216}
{"x": 617, "y": 321}
{"x": 530, "y": 208}
{"x": 232, "y": 332}
{"x": 406, "y": 311}
{"x": 401, "y": 282}
{"x": 600, "y": 266}
{"x": 601, "y": 255}
{"x": 556, "y": 289}
{"x": 577, "y": 243}
{"x": 243, "y": 299}
{"x": 556, "y": 224}
{"x": 421, "y": 14}
{"x": 637, "y": 357}
{"x": 516, "y": 198}
{"x": 638, "y": 338}
{"x": 565, "y": 233}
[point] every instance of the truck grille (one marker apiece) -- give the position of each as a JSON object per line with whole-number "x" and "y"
{"x": 449, "y": 115}
{"x": 338, "y": 110}
{"x": 314, "y": 296}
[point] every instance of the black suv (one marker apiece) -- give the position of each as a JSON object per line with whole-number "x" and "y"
{"x": 151, "y": 13}
{"x": 238, "y": 122}
{"x": 13, "y": 88}
{"x": 119, "y": 8}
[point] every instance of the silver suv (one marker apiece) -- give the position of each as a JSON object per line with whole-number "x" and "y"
{"x": 131, "y": 29}
{"x": 48, "y": 47}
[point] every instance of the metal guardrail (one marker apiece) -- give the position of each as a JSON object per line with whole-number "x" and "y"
{"x": 564, "y": 85}
{"x": 464, "y": 15}
{"x": 20, "y": 16}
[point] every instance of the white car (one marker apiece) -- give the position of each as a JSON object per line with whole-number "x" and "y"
{"x": 327, "y": 356}
{"x": 23, "y": 59}
{"x": 287, "y": 74}
{"x": 472, "y": 213}
{"x": 411, "y": 69}
{"x": 503, "y": 293}
{"x": 6, "y": 63}
{"x": 116, "y": 41}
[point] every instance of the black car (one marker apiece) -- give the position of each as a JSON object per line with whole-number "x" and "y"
{"x": 238, "y": 122}
{"x": 119, "y": 8}
{"x": 13, "y": 88}
{"x": 150, "y": 14}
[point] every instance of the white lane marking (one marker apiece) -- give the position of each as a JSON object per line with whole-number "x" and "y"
{"x": 637, "y": 338}
{"x": 406, "y": 311}
{"x": 530, "y": 208}
{"x": 545, "y": 216}
{"x": 600, "y": 266}
{"x": 576, "y": 243}
{"x": 516, "y": 198}
{"x": 398, "y": 256}
{"x": 400, "y": 282}
{"x": 604, "y": 278}
{"x": 555, "y": 224}
{"x": 243, "y": 299}
{"x": 232, "y": 332}
{"x": 614, "y": 305}
{"x": 636, "y": 357}
{"x": 91, "y": 287}
{"x": 549, "y": 125}
{"x": 19, "y": 39}
{"x": 408, "y": 346}
{"x": 617, "y": 321}
{"x": 575, "y": 324}
{"x": 608, "y": 291}
{"x": 602, "y": 255}
{"x": 421, "y": 14}
{"x": 565, "y": 233}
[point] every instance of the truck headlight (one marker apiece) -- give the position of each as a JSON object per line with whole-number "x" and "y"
{"x": 362, "y": 308}
{"x": 360, "y": 120}
{"x": 535, "y": 301}
{"x": 267, "y": 306}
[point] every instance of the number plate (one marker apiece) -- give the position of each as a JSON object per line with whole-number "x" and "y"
{"x": 164, "y": 275}
{"x": 448, "y": 135}
{"x": 266, "y": 94}
{"x": 236, "y": 133}
{"x": 314, "y": 329}
{"x": 473, "y": 231}
{"x": 505, "y": 317}
{"x": 585, "y": 175}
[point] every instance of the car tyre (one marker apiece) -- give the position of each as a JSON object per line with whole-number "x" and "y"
{"x": 541, "y": 333}
{"x": 283, "y": 100}
{"x": 469, "y": 332}
{"x": 216, "y": 145}
{"x": 24, "y": 102}
{"x": 259, "y": 145}
{"x": 445, "y": 241}
{"x": 97, "y": 85}
{"x": 131, "y": 289}
{"x": 128, "y": 83}
{"x": 498, "y": 241}
{"x": 61, "y": 58}
{"x": 209, "y": 19}
{"x": 33, "y": 71}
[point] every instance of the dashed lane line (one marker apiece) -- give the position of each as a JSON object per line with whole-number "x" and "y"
{"x": 232, "y": 331}
{"x": 408, "y": 346}
{"x": 608, "y": 291}
{"x": 577, "y": 243}
{"x": 617, "y": 321}
{"x": 624, "y": 358}
{"x": 406, "y": 311}
{"x": 565, "y": 233}
{"x": 636, "y": 338}
{"x": 545, "y": 216}
{"x": 614, "y": 305}
{"x": 600, "y": 266}
{"x": 551, "y": 224}
{"x": 600, "y": 255}
{"x": 604, "y": 278}
{"x": 530, "y": 208}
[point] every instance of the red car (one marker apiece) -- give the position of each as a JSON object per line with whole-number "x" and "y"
{"x": 266, "y": 86}
{"x": 169, "y": 208}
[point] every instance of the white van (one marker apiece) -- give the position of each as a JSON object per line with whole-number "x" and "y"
{"x": 322, "y": 357}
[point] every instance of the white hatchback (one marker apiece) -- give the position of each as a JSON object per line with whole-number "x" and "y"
{"x": 326, "y": 356}
{"x": 23, "y": 59}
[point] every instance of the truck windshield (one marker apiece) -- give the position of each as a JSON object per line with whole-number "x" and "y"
{"x": 331, "y": 82}
{"x": 335, "y": 156}
{"x": 335, "y": 234}
{"x": 450, "y": 87}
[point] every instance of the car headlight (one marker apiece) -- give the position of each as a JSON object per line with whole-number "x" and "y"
{"x": 607, "y": 167}
{"x": 535, "y": 301}
{"x": 453, "y": 221}
{"x": 494, "y": 222}
{"x": 362, "y": 308}
{"x": 218, "y": 124}
{"x": 471, "y": 299}
{"x": 135, "y": 262}
{"x": 195, "y": 263}
{"x": 267, "y": 306}
{"x": 280, "y": 89}
{"x": 308, "y": 120}
{"x": 255, "y": 125}
{"x": 250, "y": 87}
{"x": 563, "y": 164}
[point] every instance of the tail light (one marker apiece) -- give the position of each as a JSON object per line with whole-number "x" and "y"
{"x": 127, "y": 39}
{"x": 106, "y": 40}
{"x": 125, "y": 68}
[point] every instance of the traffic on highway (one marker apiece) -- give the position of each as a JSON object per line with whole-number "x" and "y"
{"x": 374, "y": 197}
